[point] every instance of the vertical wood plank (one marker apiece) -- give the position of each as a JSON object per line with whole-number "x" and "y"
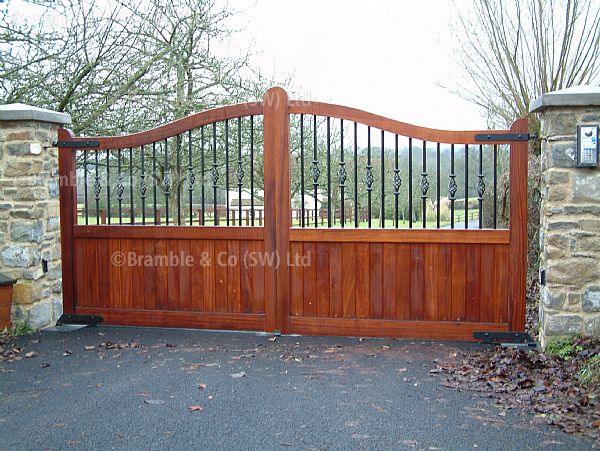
{"x": 221, "y": 292}
{"x": 362, "y": 264}
{"x": 296, "y": 281}
{"x": 444, "y": 282}
{"x": 417, "y": 281}
{"x": 173, "y": 275}
{"x": 335, "y": 280}
{"x": 114, "y": 247}
{"x": 149, "y": 277}
{"x": 81, "y": 273}
{"x": 431, "y": 281}
{"x": 104, "y": 275}
{"x": 127, "y": 269}
{"x": 459, "y": 281}
{"x": 473, "y": 284}
{"x": 258, "y": 289}
{"x": 403, "y": 277}
{"x": 376, "y": 280}
{"x": 310, "y": 281}
{"x": 323, "y": 308}
{"x": 389, "y": 281}
{"x": 246, "y": 275}
{"x": 209, "y": 275}
{"x": 185, "y": 276}
{"x": 197, "y": 276}
{"x": 349, "y": 280}
{"x": 234, "y": 301}
{"x": 500, "y": 284}
{"x": 137, "y": 275}
{"x": 487, "y": 270}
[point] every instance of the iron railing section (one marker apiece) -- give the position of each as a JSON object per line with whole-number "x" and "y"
{"x": 392, "y": 181}
{"x": 167, "y": 180}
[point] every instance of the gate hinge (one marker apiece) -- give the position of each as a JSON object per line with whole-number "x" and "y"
{"x": 521, "y": 340}
{"x": 90, "y": 320}
{"x": 482, "y": 137}
{"x": 82, "y": 144}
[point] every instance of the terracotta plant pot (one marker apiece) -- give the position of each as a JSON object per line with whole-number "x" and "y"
{"x": 6, "y": 290}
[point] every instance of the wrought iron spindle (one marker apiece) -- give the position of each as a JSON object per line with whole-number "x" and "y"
{"x": 85, "y": 185}
{"x": 252, "y": 169}
{"x": 328, "y": 171}
{"x": 397, "y": 181}
{"x": 227, "y": 171}
{"x": 369, "y": 175}
{"x": 466, "y": 186}
{"x": 424, "y": 185}
{"x": 382, "y": 219}
{"x": 410, "y": 180}
{"x": 120, "y": 187}
{"x": 97, "y": 188}
{"x": 315, "y": 172}
{"x": 154, "y": 181}
{"x": 452, "y": 187}
{"x": 178, "y": 141}
{"x": 240, "y": 170}
{"x": 480, "y": 186}
{"x": 131, "y": 186}
{"x": 302, "y": 169}
{"x": 437, "y": 172}
{"x": 355, "y": 177}
{"x": 342, "y": 175}
{"x": 202, "y": 194}
{"x": 108, "y": 215}
{"x": 191, "y": 177}
{"x": 214, "y": 172}
{"x": 495, "y": 184}
{"x": 143, "y": 187}
{"x": 166, "y": 182}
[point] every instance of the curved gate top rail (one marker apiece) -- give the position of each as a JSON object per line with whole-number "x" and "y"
{"x": 300, "y": 162}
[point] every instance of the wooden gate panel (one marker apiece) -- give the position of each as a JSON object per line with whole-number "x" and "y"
{"x": 420, "y": 281}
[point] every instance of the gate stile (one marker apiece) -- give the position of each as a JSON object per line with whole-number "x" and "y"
{"x": 388, "y": 281}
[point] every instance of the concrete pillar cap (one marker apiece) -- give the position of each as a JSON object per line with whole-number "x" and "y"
{"x": 575, "y": 96}
{"x": 22, "y": 112}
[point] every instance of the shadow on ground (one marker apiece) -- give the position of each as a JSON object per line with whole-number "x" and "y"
{"x": 134, "y": 388}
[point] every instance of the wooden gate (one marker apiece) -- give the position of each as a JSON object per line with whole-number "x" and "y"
{"x": 299, "y": 217}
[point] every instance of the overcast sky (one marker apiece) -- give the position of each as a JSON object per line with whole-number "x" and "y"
{"x": 386, "y": 57}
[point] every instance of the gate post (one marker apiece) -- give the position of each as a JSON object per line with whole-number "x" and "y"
{"x": 518, "y": 227}
{"x": 277, "y": 205}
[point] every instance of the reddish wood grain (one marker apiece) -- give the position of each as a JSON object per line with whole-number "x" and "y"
{"x": 349, "y": 279}
{"x": 335, "y": 281}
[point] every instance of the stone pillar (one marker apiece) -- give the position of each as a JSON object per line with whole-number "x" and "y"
{"x": 30, "y": 212}
{"x": 570, "y": 216}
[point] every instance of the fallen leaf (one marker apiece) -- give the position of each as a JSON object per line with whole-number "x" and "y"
{"x": 272, "y": 339}
{"x": 44, "y": 365}
{"x": 238, "y": 375}
{"x": 67, "y": 353}
{"x": 386, "y": 347}
{"x": 201, "y": 386}
{"x": 169, "y": 345}
{"x": 195, "y": 408}
{"x": 89, "y": 347}
{"x": 154, "y": 401}
{"x": 31, "y": 354}
{"x": 402, "y": 370}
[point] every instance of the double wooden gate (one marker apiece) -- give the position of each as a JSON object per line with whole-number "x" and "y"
{"x": 321, "y": 231}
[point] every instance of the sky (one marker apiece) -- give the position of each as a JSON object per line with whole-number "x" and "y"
{"x": 387, "y": 57}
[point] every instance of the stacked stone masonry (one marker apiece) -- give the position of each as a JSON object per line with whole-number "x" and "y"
{"x": 570, "y": 229}
{"x": 30, "y": 219}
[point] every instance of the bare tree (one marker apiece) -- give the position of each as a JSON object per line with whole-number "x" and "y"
{"x": 123, "y": 65}
{"x": 512, "y": 51}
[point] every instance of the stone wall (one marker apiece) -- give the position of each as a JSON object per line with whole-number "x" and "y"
{"x": 30, "y": 212}
{"x": 570, "y": 218}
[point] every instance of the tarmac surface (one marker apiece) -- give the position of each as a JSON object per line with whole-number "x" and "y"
{"x": 185, "y": 389}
